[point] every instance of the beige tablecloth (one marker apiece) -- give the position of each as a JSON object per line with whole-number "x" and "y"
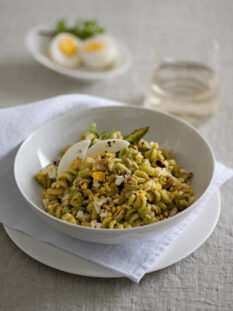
{"x": 202, "y": 281}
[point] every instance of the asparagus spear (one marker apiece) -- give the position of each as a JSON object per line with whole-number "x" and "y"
{"x": 136, "y": 135}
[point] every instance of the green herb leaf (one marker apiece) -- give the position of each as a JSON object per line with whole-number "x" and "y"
{"x": 61, "y": 25}
{"x": 102, "y": 134}
{"x": 83, "y": 29}
{"x": 106, "y": 135}
{"x": 93, "y": 129}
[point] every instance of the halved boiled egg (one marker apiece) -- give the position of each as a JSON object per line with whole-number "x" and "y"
{"x": 99, "y": 52}
{"x": 80, "y": 151}
{"x": 64, "y": 49}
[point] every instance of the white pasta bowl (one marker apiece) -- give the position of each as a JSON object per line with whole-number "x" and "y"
{"x": 191, "y": 151}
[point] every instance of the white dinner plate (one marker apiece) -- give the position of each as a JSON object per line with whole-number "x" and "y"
{"x": 38, "y": 44}
{"x": 200, "y": 229}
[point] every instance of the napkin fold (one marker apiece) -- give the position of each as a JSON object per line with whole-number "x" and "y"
{"x": 132, "y": 260}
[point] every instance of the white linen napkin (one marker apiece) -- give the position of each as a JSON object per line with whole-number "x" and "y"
{"x": 132, "y": 260}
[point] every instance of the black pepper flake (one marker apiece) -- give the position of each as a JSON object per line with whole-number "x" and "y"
{"x": 160, "y": 163}
{"x": 55, "y": 162}
{"x": 114, "y": 141}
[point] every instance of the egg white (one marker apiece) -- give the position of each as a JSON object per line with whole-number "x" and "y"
{"x": 80, "y": 151}
{"x": 102, "y": 58}
{"x": 76, "y": 151}
{"x": 107, "y": 145}
{"x": 70, "y": 61}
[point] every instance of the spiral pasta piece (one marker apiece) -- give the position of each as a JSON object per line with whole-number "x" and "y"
{"x": 68, "y": 176}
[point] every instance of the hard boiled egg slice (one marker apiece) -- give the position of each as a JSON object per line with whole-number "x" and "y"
{"x": 99, "y": 52}
{"x": 107, "y": 145}
{"x": 76, "y": 151}
{"x": 64, "y": 49}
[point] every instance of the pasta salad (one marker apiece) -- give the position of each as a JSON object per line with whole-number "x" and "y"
{"x": 116, "y": 182}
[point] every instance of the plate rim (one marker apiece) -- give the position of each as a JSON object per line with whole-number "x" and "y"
{"x": 113, "y": 274}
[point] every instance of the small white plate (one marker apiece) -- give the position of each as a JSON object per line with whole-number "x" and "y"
{"x": 192, "y": 238}
{"x": 37, "y": 45}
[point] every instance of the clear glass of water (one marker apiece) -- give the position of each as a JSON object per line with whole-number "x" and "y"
{"x": 183, "y": 78}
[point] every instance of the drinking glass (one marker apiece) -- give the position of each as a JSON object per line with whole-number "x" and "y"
{"x": 183, "y": 76}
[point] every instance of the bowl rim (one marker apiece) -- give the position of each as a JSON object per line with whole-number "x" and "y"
{"x": 75, "y": 73}
{"x": 90, "y": 229}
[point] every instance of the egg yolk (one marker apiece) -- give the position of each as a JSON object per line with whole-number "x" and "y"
{"x": 94, "y": 46}
{"x": 68, "y": 46}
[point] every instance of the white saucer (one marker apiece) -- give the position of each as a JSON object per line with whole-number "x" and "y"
{"x": 192, "y": 238}
{"x": 37, "y": 45}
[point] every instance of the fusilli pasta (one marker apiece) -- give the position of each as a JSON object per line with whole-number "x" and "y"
{"x": 140, "y": 185}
